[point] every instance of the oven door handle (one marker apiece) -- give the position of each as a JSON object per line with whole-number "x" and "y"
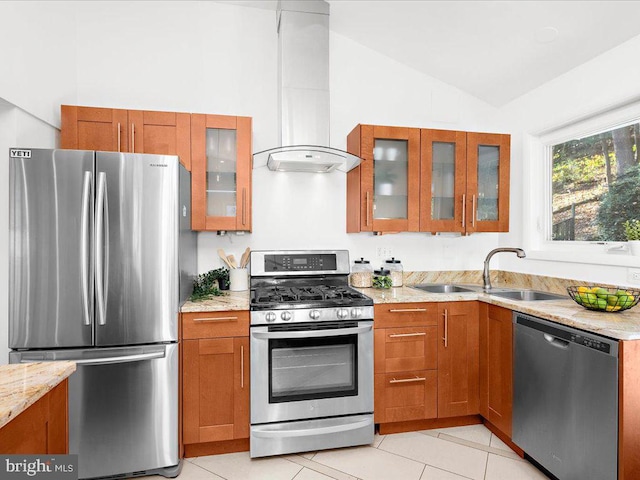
{"x": 265, "y": 432}
{"x": 312, "y": 333}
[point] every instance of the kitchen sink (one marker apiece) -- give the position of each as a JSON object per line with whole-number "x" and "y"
{"x": 444, "y": 288}
{"x": 527, "y": 295}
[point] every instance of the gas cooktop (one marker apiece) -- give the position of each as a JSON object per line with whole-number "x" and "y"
{"x": 306, "y": 296}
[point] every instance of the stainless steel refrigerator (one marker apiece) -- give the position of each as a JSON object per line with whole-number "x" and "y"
{"x": 101, "y": 257}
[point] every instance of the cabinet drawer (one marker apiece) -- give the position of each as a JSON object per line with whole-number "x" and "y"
{"x": 234, "y": 323}
{"x": 406, "y": 396}
{"x": 405, "y": 314}
{"x": 405, "y": 349}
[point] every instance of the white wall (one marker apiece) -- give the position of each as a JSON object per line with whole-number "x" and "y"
{"x": 37, "y": 55}
{"x": 607, "y": 81}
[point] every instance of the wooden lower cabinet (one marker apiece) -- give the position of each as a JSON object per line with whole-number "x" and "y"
{"x": 496, "y": 366}
{"x": 405, "y": 379}
{"x": 406, "y": 396}
{"x": 43, "y": 428}
{"x": 215, "y": 381}
{"x": 405, "y": 362}
{"x": 458, "y": 359}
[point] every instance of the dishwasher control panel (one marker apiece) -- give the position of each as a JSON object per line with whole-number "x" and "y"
{"x": 591, "y": 343}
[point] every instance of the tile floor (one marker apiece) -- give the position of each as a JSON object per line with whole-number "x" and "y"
{"x": 458, "y": 453}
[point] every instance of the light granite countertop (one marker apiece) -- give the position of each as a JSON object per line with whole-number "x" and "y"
{"x": 224, "y": 302}
{"x": 619, "y": 325}
{"x": 22, "y": 385}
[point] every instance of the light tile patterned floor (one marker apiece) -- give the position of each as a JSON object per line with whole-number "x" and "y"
{"x": 458, "y": 453}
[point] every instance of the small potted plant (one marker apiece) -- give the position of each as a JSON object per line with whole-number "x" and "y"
{"x": 210, "y": 284}
{"x": 632, "y": 232}
{"x": 222, "y": 275}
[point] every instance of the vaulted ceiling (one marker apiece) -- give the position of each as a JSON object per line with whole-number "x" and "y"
{"x": 493, "y": 50}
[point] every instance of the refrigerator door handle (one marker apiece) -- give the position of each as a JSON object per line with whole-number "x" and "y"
{"x": 109, "y": 360}
{"x": 84, "y": 246}
{"x": 102, "y": 247}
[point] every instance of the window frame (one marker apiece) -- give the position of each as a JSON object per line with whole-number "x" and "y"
{"x": 537, "y": 194}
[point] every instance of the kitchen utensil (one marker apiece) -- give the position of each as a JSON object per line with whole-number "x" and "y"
{"x": 232, "y": 261}
{"x": 245, "y": 258}
{"x": 224, "y": 257}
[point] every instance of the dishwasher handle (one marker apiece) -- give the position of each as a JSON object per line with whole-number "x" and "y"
{"x": 556, "y": 342}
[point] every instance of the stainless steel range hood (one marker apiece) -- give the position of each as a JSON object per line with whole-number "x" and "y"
{"x": 303, "y": 94}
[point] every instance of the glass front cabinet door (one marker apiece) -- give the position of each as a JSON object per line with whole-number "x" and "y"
{"x": 221, "y": 172}
{"x": 383, "y": 191}
{"x": 488, "y": 156}
{"x": 464, "y": 182}
{"x": 443, "y": 190}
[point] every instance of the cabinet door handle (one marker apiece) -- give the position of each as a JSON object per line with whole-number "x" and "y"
{"x": 215, "y": 319}
{"x": 366, "y": 208}
{"x": 408, "y": 380}
{"x": 473, "y": 210}
{"x": 464, "y": 210}
{"x": 241, "y": 366}
{"x": 398, "y": 335}
{"x": 446, "y": 328}
{"x": 119, "y": 149}
{"x": 133, "y": 138}
{"x": 407, "y": 310}
{"x": 244, "y": 205}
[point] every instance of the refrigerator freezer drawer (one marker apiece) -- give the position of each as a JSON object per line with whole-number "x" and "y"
{"x": 123, "y": 408}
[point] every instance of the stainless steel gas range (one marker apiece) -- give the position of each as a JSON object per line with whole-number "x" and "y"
{"x": 311, "y": 354}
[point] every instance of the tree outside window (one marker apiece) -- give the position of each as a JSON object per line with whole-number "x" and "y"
{"x": 596, "y": 185}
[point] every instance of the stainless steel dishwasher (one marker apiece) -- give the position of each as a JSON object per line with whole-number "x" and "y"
{"x": 565, "y": 405}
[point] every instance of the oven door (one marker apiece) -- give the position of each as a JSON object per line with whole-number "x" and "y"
{"x": 315, "y": 370}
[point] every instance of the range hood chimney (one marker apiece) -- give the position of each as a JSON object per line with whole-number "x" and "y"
{"x": 303, "y": 95}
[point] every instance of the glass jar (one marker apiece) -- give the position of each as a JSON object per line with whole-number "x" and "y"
{"x": 361, "y": 274}
{"x": 395, "y": 267}
{"x": 382, "y": 278}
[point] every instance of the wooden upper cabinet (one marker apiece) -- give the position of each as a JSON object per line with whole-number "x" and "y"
{"x": 496, "y": 366}
{"x": 221, "y": 165}
{"x": 161, "y": 133}
{"x": 91, "y": 128}
{"x": 458, "y": 359}
{"x": 464, "y": 182}
{"x": 138, "y": 131}
{"x": 383, "y": 191}
{"x": 427, "y": 180}
{"x": 488, "y": 158}
{"x": 443, "y": 179}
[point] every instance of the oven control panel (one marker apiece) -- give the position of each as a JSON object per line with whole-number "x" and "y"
{"x": 306, "y": 315}
{"x": 299, "y": 262}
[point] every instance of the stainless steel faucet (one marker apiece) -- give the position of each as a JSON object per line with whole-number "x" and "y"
{"x": 486, "y": 280}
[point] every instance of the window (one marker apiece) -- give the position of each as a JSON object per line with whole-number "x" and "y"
{"x": 595, "y": 185}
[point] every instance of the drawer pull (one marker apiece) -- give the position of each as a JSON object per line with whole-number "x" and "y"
{"x": 241, "y": 366}
{"x": 446, "y": 328}
{"x": 407, "y": 310}
{"x": 215, "y": 319}
{"x": 396, "y": 335}
{"x": 408, "y": 380}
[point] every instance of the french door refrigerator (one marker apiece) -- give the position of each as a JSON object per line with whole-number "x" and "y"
{"x": 101, "y": 256}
